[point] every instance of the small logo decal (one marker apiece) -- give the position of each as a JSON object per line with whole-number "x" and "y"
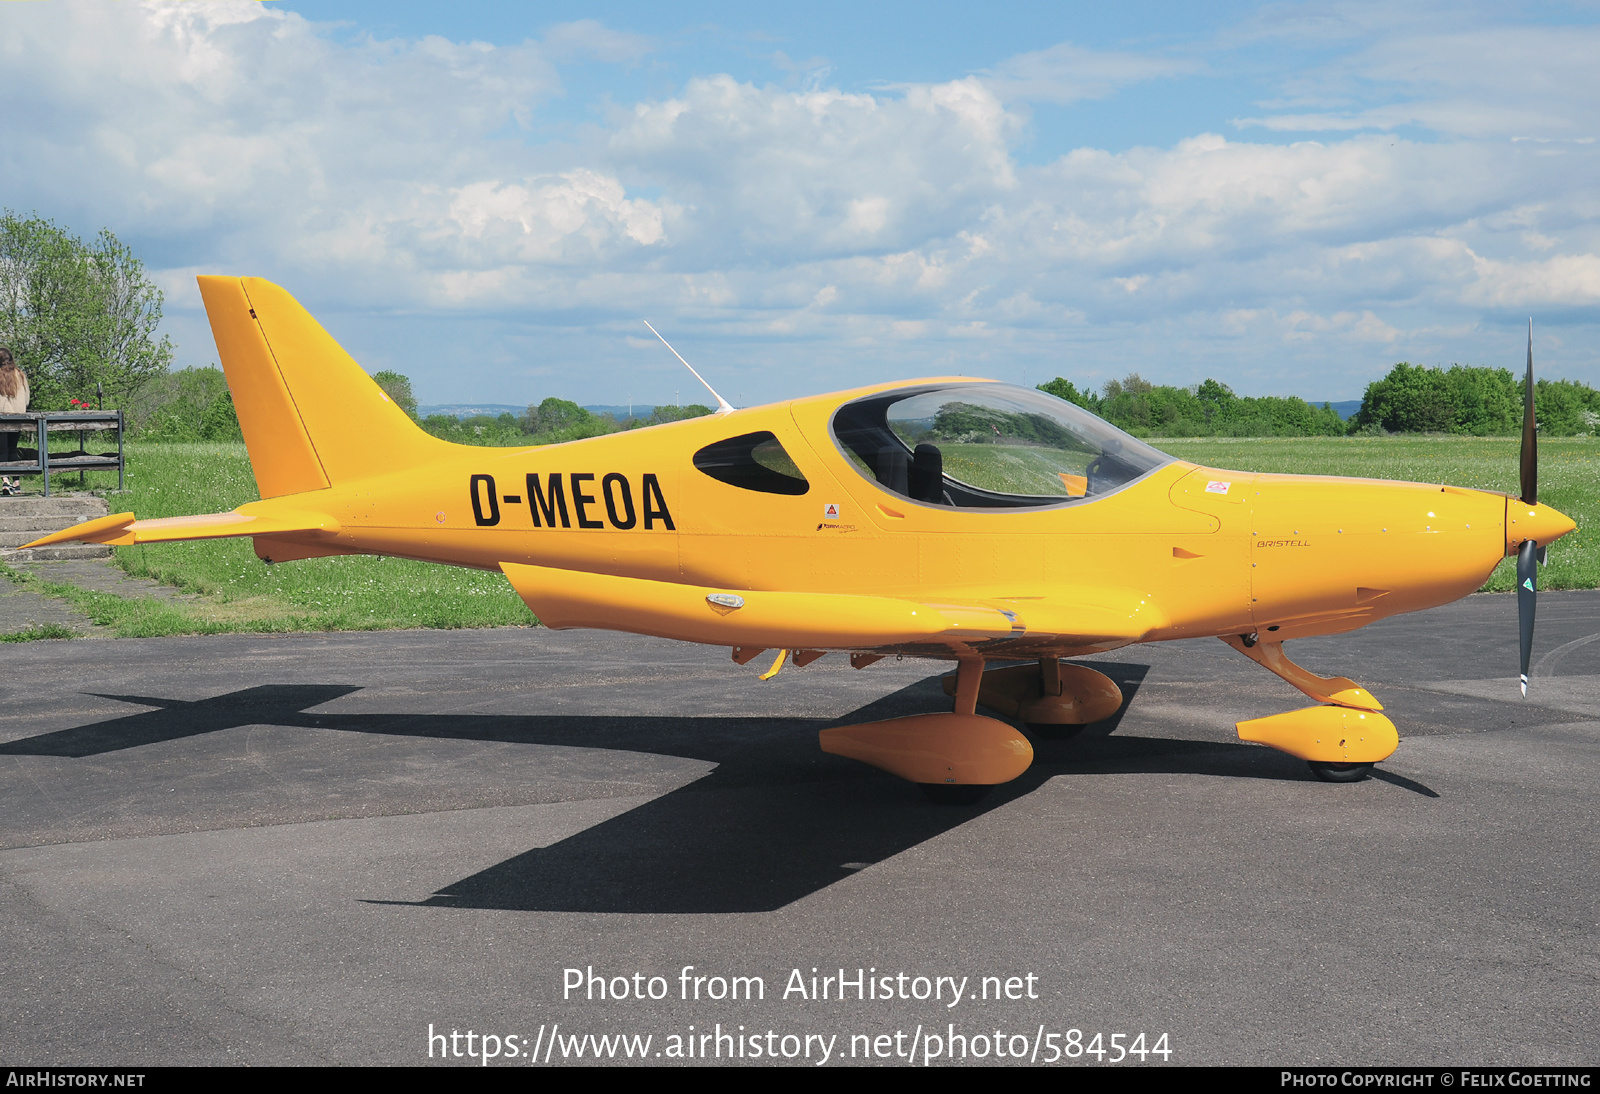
{"x": 1215, "y": 487}
{"x": 830, "y": 511}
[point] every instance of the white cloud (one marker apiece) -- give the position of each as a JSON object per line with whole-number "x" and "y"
{"x": 1564, "y": 279}
{"x": 812, "y": 227}
{"x": 1484, "y": 81}
{"x": 1066, "y": 73}
{"x": 589, "y": 38}
{"x": 817, "y": 172}
{"x": 534, "y": 224}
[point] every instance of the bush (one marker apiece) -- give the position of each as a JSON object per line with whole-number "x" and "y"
{"x": 1475, "y": 401}
{"x": 184, "y": 407}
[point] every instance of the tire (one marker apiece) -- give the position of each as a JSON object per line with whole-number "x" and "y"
{"x": 954, "y": 793}
{"x": 1339, "y": 773}
{"x": 1052, "y": 732}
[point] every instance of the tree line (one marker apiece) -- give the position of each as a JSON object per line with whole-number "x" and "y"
{"x": 549, "y": 422}
{"x": 193, "y": 404}
{"x": 1462, "y": 400}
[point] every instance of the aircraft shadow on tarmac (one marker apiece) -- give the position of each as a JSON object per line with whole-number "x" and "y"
{"x": 775, "y": 821}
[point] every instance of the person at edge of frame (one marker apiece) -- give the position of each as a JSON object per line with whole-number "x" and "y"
{"x": 13, "y": 400}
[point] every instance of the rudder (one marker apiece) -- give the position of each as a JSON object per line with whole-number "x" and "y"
{"x": 280, "y": 450}
{"x": 310, "y": 415}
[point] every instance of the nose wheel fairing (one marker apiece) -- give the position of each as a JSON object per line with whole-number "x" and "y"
{"x": 1341, "y": 739}
{"x": 1326, "y": 734}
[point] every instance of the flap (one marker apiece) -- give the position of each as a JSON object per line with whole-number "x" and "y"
{"x": 1089, "y": 614}
{"x": 796, "y": 620}
{"x": 729, "y": 617}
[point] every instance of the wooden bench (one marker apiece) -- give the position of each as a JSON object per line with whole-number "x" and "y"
{"x": 41, "y": 461}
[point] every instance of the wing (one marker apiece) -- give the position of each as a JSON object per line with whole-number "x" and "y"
{"x": 1080, "y": 618}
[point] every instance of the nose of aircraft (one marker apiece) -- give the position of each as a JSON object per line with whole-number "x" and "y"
{"x": 1539, "y": 523}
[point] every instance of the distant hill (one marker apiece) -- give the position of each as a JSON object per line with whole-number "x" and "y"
{"x": 467, "y": 410}
{"x": 1346, "y": 410}
{"x": 620, "y": 413}
{"x": 494, "y": 410}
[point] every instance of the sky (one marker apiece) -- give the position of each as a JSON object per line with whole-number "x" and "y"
{"x": 492, "y": 198}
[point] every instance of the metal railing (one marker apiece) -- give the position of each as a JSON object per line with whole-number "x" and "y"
{"x": 41, "y": 461}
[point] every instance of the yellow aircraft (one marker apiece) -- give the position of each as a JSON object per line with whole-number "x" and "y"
{"x": 948, "y": 518}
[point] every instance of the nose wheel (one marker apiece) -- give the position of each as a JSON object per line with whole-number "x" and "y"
{"x": 1339, "y": 773}
{"x": 954, "y": 793}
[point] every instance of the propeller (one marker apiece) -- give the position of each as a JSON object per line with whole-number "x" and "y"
{"x": 1529, "y": 555}
{"x": 1530, "y": 442}
{"x": 1527, "y": 567}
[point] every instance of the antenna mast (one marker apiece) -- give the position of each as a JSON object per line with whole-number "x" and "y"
{"x": 723, "y": 406}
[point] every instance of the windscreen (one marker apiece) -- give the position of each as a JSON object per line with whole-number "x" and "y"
{"x": 988, "y": 446}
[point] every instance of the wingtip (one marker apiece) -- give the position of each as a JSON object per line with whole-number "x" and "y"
{"x": 90, "y": 531}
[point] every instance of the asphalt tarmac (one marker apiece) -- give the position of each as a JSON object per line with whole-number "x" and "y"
{"x": 315, "y": 848}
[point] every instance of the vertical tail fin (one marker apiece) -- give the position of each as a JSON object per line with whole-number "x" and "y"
{"x": 310, "y": 415}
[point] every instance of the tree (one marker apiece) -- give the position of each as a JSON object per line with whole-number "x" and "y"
{"x": 1063, "y": 388}
{"x": 1462, "y": 399}
{"x": 398, "y": 388}
{"x": 1217, "y": 399}
{"x": 554, "y": 416}
{"x": 672, "y": 413}
{"x": 75, "y": 314}
{"x": 1133, "y": 385}
{"x": 193, "y": 404}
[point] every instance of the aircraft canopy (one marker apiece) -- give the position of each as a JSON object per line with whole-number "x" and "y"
{"x": 988, "y": 446}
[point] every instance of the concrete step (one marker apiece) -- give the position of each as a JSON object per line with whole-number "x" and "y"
{"x": 42, "y": 524}
{"x": 23, "y": 520}
{"x": 10, "y": 541}
{"x": 56, "y": 553}
{"x": 68, "y": 506}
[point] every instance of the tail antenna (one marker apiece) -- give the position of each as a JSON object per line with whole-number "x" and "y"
{"x": 723, "y": 406}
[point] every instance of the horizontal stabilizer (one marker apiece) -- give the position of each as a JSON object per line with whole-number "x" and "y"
{"x": 122, "y": 530}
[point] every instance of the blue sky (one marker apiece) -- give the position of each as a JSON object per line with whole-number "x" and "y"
{"x": 492, "y": 197}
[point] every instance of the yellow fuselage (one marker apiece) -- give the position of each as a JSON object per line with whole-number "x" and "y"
{"x": 1208, "y": 552}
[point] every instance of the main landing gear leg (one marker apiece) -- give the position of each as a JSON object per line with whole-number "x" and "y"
{"x": 1340, "y": 740}
{"x": 954, "y": 757}
{"x": 969, "y": 678}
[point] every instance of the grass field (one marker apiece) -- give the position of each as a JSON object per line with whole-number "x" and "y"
{"x": 1569, "y": 479}
{"x": 239, "y": 593}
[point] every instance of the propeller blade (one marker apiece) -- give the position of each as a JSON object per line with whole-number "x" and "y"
{"x": 1530, "y": 442}
{"x": 1527, "y": 585}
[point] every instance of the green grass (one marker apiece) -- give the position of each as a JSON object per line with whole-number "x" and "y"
{"x": 237, "y": 592}
{"x": 1012, "y": 468}
{"x": 34, "y": 633}
{"x": 1569, "y": 479}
